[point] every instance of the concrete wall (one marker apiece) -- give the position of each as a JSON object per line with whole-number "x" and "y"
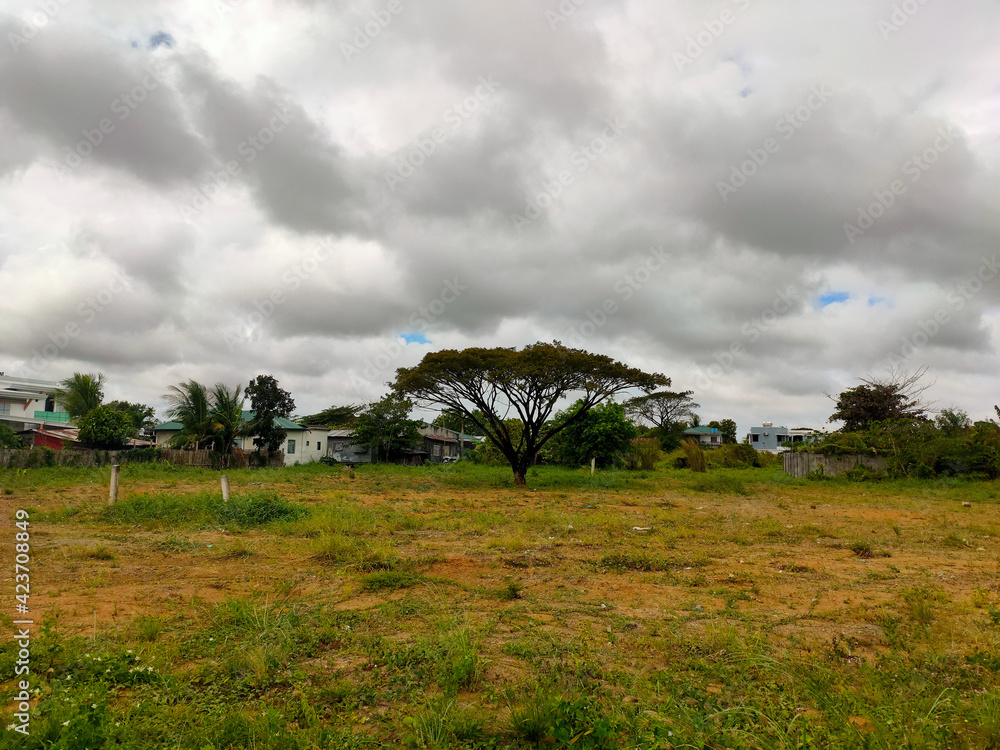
{"x": 800, "y": 464}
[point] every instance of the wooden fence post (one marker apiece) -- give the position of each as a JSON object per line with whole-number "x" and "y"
{"x": 115, "y": 470}
{"x": 225, "y": 488}
{"x": 593, "y": 465}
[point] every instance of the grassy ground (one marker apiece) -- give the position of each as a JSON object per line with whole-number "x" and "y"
{"x": 441, "y": 607}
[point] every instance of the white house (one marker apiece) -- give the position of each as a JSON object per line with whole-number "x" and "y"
{"x": 301, "y": 445}
{"x": 26, "y": 403}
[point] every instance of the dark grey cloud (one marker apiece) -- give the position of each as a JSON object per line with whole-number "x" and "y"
{"x": 496, "y": 174}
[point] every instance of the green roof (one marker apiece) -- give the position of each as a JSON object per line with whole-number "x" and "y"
{"x": 285, "y": 424}
{"x": 702, "y": 430}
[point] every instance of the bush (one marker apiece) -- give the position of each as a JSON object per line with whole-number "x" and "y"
{"x": 104, "y": 428}
{"x": 695, "y": 456}
{"x": 9, "y": 438}
{"x": 735, "y": 456}
{"x": 643, "y": 454}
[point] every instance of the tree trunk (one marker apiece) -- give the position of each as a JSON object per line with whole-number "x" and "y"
{"x": 519, "y": 478}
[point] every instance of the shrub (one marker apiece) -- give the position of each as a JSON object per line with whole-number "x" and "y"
{"x": 695, "y": 456}
{"x": 643, "y": 454}
{"x": 105, "y": 428}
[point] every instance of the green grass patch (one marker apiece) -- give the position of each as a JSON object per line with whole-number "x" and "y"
{"x": 203, "y": 510}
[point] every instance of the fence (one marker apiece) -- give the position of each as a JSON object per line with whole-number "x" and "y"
{"x": 800, "y": 464}
{"x": 37, "y": 457}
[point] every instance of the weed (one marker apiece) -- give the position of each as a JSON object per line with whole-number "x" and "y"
{"x": 100, "y": 552}
{"x": 641, "y": 562}
{"x": 719, "y": 484}
{"x": 512, "y": 590}
{"x": 148, "y": 628}
{"x": 866, "y": 550}
{"x": 390, "y": 580}
{"x": 955, "y": 541}
{"x": 921, "y": 603}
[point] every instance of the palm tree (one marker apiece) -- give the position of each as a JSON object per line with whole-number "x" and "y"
{"x": 227, "y": 419}
{"x": 192, "y": 407}
{"x": 80, "y": 394}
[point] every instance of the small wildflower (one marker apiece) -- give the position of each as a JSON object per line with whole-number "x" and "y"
{"x": 66, "y": 723}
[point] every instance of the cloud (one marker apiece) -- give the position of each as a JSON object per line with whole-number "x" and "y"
{"x": 765, "y": 220}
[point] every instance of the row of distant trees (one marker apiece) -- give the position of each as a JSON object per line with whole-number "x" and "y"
{"x": 210, "y": 418}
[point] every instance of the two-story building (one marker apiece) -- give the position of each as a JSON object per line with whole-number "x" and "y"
{"x": 27, "y": 404}
{"x": 769, "y": 437}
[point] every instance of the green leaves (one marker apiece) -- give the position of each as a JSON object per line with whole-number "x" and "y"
{"x": 104, "y": 428}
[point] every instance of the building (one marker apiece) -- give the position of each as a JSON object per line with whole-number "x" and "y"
{"x": 439, "y": 445}
{"x": 27, "y": 404}
{"x": 769, "y": 437}
{"x": 301, "y": 444}
{"x": 340, "y": 446}
{"x": 707, "y": 437}
{"x": 444, "y": 446}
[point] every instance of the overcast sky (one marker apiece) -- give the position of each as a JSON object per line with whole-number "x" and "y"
{"x": 762, "y": 199}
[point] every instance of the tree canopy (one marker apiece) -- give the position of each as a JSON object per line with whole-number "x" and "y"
{"x": 143, "y": 417}
{"x": 604, "y": 433}
{"x": 267, "y": 401}
{"x": 385, "y": 427}
{"x": 211, "y": 419}
{"x": 726, "y": 428}
{"x": 8, "y": 437}
{"x": 81, "y": 393}
{"x": 105, "y": 428}
{"x": 504, "y": 383}
{"x": 667, "y": 412}
{"x": 191, "y": 406}
{"x": 453, "y": 420}
{"x": 895, "y": 397}
{"x": 334, "y": 416}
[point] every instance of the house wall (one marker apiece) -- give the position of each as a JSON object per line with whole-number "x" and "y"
{"x": 343, "y": 450}
{"x": 314, "y": 445}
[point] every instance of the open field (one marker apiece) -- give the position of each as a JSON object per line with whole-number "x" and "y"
{"x": 440, "y": 607}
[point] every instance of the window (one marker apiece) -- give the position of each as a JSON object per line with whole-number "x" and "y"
{"x": 715, "y": 439}
{"x": 437, "y": 449}
{"x": 318, "y": 446}
{"x": 754, "y": 438}
{"x": 4, "y": 408}
{"x": 307, "y": 443}
{"x": 291, "y": 447}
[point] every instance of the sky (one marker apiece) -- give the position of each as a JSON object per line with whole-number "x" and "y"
{"x": 764, "y": 200}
